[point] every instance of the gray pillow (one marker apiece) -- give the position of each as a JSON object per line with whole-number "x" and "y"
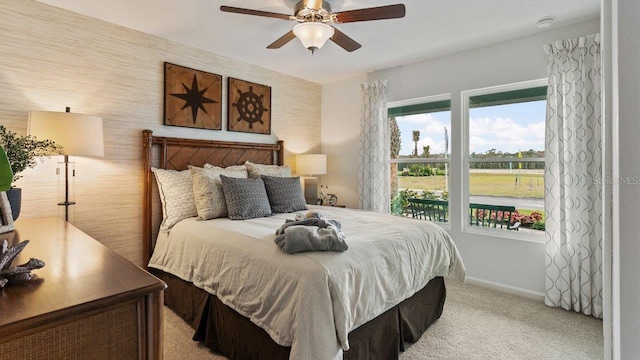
{"x": 285, "y": 194}
{"x": 246, "y": 198}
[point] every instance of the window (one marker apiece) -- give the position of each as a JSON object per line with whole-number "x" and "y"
{"x": 504, "y": 171}
{"x": 420, "y": 154}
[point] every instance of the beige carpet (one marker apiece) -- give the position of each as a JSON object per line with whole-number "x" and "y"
{"x": 477, "y": 323}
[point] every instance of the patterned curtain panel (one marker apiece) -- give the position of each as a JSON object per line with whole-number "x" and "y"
{"x": 374, "y": 148}
{"x": 573, "y": 179}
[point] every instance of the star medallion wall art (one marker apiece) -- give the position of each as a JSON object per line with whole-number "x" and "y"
{"x": 192, "y": 98}
{"x": 249, "y": 107}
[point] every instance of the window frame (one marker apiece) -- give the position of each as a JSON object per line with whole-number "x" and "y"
{"x": 445, "y": 160}
{"x": 466, "y": 160}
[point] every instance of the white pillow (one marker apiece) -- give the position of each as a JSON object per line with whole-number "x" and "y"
{"x": 176, "y": 194}
{"x": 255, "y": 170}
{"x": 207, "y": 189}
{"x": 233, "y": 167}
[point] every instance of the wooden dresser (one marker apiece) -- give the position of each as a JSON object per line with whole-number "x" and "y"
{"x": 86, "y": 303}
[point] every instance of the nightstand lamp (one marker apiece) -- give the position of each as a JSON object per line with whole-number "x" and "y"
{"x": 311, "y": 164}
{"x": 78, "y": 134}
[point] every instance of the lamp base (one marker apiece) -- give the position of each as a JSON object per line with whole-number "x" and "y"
{"x": 310, "y": 190}
{"x": 69, "y": 180}
{"x": 15, "y": 200}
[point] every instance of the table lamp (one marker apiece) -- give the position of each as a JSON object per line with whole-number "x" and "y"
{"x": 311, "y": 164}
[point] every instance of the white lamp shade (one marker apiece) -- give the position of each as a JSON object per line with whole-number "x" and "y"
{"x": 311, "y": 164}
{"x": 313, "y": 35}
{"x": 78, "y": 134}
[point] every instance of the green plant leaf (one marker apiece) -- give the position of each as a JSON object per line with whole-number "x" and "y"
{"x": 6, "y": 175}
{"x": 23, "y": 150}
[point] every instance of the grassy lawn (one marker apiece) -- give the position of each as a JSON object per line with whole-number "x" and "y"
{"x": 529, "y": 185}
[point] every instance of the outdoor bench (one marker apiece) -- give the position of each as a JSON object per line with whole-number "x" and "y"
{"x": 492, "y": 216}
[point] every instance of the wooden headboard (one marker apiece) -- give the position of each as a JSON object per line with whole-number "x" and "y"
{"x": 178, "y": 154}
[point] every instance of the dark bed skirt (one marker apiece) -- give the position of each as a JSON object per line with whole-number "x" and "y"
{"x": 224, "y": 330}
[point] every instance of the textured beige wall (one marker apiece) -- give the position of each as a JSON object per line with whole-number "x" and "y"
{"x": 51, "y": 58}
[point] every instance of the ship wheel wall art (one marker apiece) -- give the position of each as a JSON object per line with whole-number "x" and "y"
{"x": 249, "y": 107}
{"x": 192, "y": 98}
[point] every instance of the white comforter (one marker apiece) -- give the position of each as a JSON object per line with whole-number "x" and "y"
{"x": 309, "y": 301}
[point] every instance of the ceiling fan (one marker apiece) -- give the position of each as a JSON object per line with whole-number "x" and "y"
{"x": 312, "y": 17}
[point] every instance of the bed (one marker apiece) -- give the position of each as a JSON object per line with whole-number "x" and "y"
{"x": 248, "y": 299}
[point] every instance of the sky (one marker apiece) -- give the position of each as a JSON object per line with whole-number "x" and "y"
{"x": 506, "y": 128}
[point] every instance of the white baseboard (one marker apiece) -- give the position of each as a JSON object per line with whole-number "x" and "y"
{"x": 506, "y": 288}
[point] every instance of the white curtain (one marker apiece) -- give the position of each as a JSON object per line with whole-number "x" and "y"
{"x": 573, "y": 179}
{"x": 374, "y": 148}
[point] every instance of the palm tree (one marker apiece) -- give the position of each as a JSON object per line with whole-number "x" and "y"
{"x": 416, "y": 138}
{"x": 426, "y": 151}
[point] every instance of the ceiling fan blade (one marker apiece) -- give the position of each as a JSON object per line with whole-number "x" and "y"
{"x": 344, "y": 41}
{"x": 282, "y": 41}
{"x": 236, "y": 10}
{"x": 376, "y": 13}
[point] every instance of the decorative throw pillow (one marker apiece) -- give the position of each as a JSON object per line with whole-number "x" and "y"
{"x": 233, "y": 167}
{"x": 237, "y": 167}
{"x": 285, "y": 194}
{"x": 176, "y": 194}
{"x": 255, "y": 170}
{"x": 207, "y": 190}
{"x": 246, "y": 198}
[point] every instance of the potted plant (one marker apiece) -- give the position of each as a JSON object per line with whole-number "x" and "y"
{"x": 6, "y": 175}
{"x": 22, "y": 152}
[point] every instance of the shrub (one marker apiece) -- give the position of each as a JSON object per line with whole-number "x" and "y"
{"x": 400, "y": 203}
{"x": 533, "y": 220}
{"x": 418, "y": 170}
{"x": 538, "y": 225}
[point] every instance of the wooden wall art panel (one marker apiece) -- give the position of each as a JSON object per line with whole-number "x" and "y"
{"x": 249, "y": 107}
{"x": 192, "y": 98}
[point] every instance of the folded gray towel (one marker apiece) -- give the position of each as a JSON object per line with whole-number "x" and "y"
{"x": 310, "y": 235}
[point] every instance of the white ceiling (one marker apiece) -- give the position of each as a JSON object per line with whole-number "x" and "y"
{"x": 431, "y": 28}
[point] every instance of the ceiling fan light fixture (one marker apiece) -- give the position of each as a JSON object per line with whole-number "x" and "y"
{"x": 313, "y": 35}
